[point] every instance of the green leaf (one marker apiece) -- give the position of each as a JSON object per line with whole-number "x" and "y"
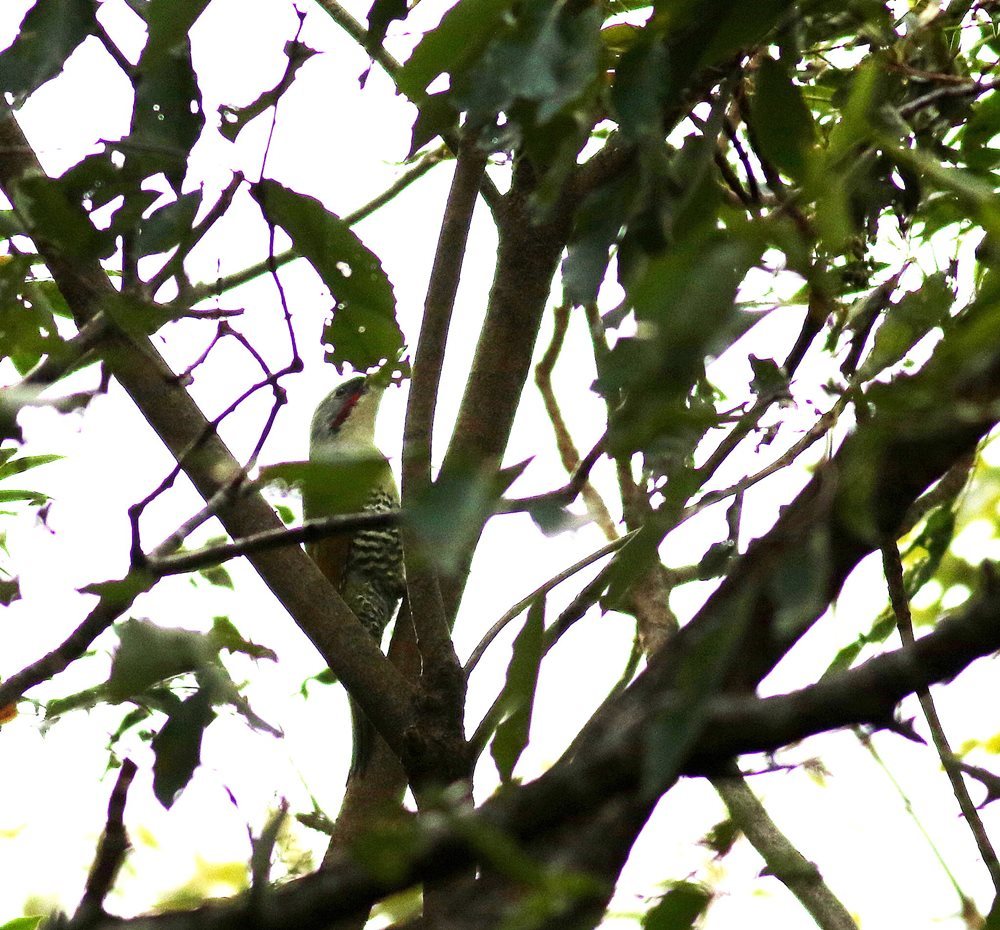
{"x": 49, "y": 33}
{"x": 167, "y": 117}
{"x": 459, "y": 39}
{"x": 363, "y": 331}
{"x": 518, "y": 695}
{"x": 381, "y": 14}
{"x": 169, "y": 225}
{"x": 10, "y": 591}
{"x": 217, "y": 575}
{"x": 148, "y": 654}
{"x": 597, "y": 226}
{"x": 16, "y": 466}
{"x": 48, "y": 213}
{"x": 782, "y": 121}
{"x": 549, "y": 56}
{"x": 22, "y": 923}
{"x": 178, "y": 746}
{"x": 36, "y": 498}
{"x": 639, "y": 91}
{"x": 906, "y": 323}
{"x": 679, "y": 908}
{"x": 225, "y": 636}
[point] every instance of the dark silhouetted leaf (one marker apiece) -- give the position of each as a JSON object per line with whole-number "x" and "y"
{"x": 234, "y": 119}
{"x": 49, "y": 33}
{"x": 518, "y": 695}
{"x": 782, "y": 121}
{"x": 458, "y": 40}
{"x": 363, "y": 330}
{"x": 679, "y": 908}
{"x": 168, "y": 226}
{"x": 178, "y": 747}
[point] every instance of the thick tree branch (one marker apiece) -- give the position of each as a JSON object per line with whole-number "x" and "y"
{"x": 599, "y": 782}
{"x": 800, "y": 876}
{"x": 293, "y": 578}
{"x": 527, "y": 258}
{"x": 442, "y": 674}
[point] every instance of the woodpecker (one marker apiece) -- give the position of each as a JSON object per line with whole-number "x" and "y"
{"x": 366, "y": 567}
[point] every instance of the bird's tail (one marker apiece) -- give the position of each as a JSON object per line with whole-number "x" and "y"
{"x": 363, "y": 743}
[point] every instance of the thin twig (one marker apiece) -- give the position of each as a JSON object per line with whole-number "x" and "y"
{"x": 784, "y": 861}
{"x": 543, "y": 589}
{"x": 176, "y": 261}
{"x": 564, "y": 442}
{"x": 228, "y": 282}
{"x": 111, "y": 850}
{"x": 893, "y": 568}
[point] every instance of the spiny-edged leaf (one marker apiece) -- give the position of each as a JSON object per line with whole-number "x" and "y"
{"x": 178, "y": 746}
{"x": 168, "y": 225}
{"x": 17, "y": 466}
{"x": 363, "y": 330}
{"x": 679, "y": 908}
{"x": 234, "y": 119}
{"x": 226, "y": 636}
{"x": 49, "y": 33}
{"x": 782, "y": 121}
{"x": 518, "y": 695}
{"x": 906, "y": 323}
{"x": 148, "y": 654}
{"x": 458, "y": 40}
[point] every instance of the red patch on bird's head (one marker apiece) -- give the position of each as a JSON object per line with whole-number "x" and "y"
{"x": 347, "y": 406}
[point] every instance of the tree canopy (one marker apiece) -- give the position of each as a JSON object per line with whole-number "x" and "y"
{"x": 771, "y": 232}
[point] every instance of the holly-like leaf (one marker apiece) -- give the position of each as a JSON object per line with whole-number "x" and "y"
{"x": 363, "y": 330}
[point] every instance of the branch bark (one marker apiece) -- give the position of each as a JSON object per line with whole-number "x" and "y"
{"x": 296, "y": 582}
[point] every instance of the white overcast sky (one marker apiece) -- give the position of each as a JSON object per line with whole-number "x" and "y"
{"x": 344, "y": 146}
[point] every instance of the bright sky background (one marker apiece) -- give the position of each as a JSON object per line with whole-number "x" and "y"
{"x": 344, "y": 146}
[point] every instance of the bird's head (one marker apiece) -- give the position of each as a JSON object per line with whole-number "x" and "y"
{"x": 347, "y": 413}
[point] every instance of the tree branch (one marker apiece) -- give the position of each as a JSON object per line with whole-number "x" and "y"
{"x": 293, "y": 578}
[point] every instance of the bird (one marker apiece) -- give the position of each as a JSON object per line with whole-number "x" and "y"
{"x": 349, "y": 474}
